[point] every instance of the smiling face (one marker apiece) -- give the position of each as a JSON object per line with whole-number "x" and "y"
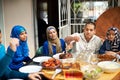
{"x": 52, "y": 34}
{"x": 23, "y": 36}
{"x": 111, "y": 35}
{"x": 89, "y": 31}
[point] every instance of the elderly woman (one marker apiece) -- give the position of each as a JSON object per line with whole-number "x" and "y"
{"x": 53, "y": 44}
{"x": 22, "y": 53}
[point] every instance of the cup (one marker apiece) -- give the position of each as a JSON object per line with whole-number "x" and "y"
{"x": 73, "y": 75}
{"x": 94, "y": 59}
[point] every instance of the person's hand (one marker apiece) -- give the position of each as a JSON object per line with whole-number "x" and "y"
{"x": 118, "y": 52}
{"x": 110, "y": 53}
{"x": 68, "y": 47}
{"x": 14, "y": 42}
{"x": 35, "y": 76}
{"x": 76, "y": 38}
{"x": 69, "y": 39}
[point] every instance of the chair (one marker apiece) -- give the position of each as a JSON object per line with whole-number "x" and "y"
{"x": 39, "y": 51}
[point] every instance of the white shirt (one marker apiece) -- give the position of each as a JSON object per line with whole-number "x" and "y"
{"x": 83, "y": 46}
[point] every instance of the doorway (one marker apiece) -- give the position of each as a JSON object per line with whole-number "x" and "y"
{"x": 47, "y": 15}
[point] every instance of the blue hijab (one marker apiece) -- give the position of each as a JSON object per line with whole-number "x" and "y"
{"x": 23, "y": 46}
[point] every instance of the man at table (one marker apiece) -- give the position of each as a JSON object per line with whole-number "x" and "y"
{"x": 86, "y": 41}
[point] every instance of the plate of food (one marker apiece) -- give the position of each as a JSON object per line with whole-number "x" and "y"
{"x": 41, "y": 59}
{"x": 30, "y": 69}
{"x": 62, "y": 55}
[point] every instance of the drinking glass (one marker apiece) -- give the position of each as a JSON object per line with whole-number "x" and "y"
{"x": 94, "y": 59}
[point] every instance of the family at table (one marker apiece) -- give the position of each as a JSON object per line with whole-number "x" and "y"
{"x": 18, "y": 52}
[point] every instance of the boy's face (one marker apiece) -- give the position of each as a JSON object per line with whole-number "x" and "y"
{"x": 111, "y": 35}
{"x": 0, "y": 37}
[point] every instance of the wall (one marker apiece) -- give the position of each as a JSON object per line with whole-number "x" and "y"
{"x": 19, "y": 12}
{"x": 118, "y": 2}
{"x": 109, "y": 18}
{"x": 1, "y": 23}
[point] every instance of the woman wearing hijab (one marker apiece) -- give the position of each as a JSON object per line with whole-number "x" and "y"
{"x": 53, "y": 44}
{"x": 111, "y": 46}
{"x": 22, "y": 53}
{"x": 5, "y": 58}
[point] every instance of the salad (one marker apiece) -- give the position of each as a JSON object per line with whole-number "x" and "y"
{"x": 91, "y": 72}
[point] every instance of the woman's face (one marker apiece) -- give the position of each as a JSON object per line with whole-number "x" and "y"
{"x": 52, "y": 34}
{"x": 23, "y": 36}
{"x": 111, "y": 35}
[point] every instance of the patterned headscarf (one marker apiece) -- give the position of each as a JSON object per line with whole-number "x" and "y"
{"x": 55, "y": 41}
{"x": 23, "y": 46}
{"x": 116, "y": 42}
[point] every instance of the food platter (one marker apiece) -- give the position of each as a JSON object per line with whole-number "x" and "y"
{"x": 51, "y": 64}
{"x": 56, "y": 56}
{"x": 63, "y": 55}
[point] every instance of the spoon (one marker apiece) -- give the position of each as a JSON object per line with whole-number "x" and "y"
{"x": 56, "y": 72}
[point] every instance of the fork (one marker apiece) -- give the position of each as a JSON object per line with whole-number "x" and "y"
{"x": 58, "y": 70}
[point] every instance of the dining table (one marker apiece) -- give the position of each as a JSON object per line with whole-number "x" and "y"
{"x": 48, "y": 73}
{"x": 104, "y": 76}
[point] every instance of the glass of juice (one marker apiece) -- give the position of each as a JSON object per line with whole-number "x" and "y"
{"x": 73, "y": 75}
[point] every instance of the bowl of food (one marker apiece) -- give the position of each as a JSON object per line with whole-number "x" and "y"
{"x": 51, "y": 64}
{"x": 91, "y": 72}
{"x": 109, "y": 66}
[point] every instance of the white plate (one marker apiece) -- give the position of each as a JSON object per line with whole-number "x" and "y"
{"x": 56, "y": 56}
{"x": 41, "y": 59}
{"x": 30, "y": 69}
{"x": 15, "y": 79}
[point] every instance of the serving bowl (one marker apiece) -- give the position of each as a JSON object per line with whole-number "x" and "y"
{"x": 109, "y": 66}
{"x": 51, "y": 64}
{"x": 91, "y": 72}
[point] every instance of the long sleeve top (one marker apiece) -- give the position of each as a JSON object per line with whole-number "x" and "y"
{"x": 18, "y": 59}
{"x": 46, "y": 48}
{"x": 5, "y": 71}
{"x": 2, "y": 51}
{"x": 106, "y": 47}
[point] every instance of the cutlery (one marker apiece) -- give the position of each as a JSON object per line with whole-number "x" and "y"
{"x": 114, "y": 60}
{"x": 118, "y": 57}
{"x": 56, "y": 72}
